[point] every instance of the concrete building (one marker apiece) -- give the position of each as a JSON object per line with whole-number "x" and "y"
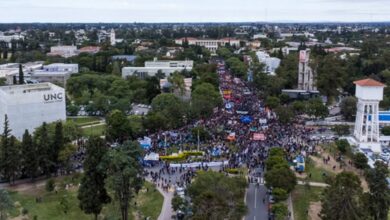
{"x": 271, "y": 63}
{"x": 7, "y": 39}
{"x": 112, "y": 37}
{"x": 153, "y": 67}
{"x": 210, "y": 44}
{"x": 369, "y": 93}
{"x": 63, "y": 51}
{"x": 57, "y": 73}
{"x": 89, "y": 49}
{"x": 306, "y": 76}
{"x": 28, "y": 106}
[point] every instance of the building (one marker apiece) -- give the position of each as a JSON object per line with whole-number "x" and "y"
{"x": 112, "y": 37}
{"x": 271, "y": 63}
{"x": 210, "y": 44}
{"x": 153, "y": 67}
{"x": 7, "y": 39}
{"x": 63, "y": 51}
{"x": 28, "y": 106}
{"x": 128, "y": 58}
{"x": 9, "y": 70}
{"x": 57, "y": 73}
{"x": 170, "y": 63}
{"x": 306, "y": 76}
{"x": 89, "y": 49}
{"x": 369, "y": 93}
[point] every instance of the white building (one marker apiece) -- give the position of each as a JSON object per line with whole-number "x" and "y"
{"x": 63, "y": 51}
{"x": 112, "y": 37}
{"x": 170, "y": 63}
{"x": 369, "y": 93}
{"x": 9, "y": 38}
{"x": 57, "y": 73}
{"x": 210, "y": 44}
{"x": 28, "y": 106}
{"x": 271, "y": 63}
{"x": 153, "y": 67}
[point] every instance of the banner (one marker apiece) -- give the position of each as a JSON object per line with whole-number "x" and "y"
{"x": 258, "y": 137}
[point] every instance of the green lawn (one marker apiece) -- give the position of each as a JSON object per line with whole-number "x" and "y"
{"x": 80, "y": 121}
{"x": 301, "y": 198}
{"x": 149, "y": 204}
{"x": 98, "y": 130}
{"x": 316, "y": 172}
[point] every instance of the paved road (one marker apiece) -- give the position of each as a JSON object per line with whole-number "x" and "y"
{"x": 257, "y": 209}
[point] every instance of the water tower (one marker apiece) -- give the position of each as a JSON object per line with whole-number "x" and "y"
{"x": 369, "y": 93}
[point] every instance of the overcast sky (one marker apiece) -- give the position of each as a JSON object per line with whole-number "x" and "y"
{"x": 193, "y": 10}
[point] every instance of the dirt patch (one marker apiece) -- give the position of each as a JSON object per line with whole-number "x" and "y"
{"x": 314, "y": 210}
{"x": 332, "y": 163}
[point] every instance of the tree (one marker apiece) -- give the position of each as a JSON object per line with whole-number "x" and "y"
{"x": 343, "y": 199}
{"x": 237, "y": 66}
{"x": 272, "y": 102}
{"x": 21, "y": 74}
{"x": 280, "y": 211}
{"x": 204, "y": 99}
{"x": 171, "y": 107}
{"x": 360, "y": 160}
{"x": 118, "y": 127}
{"x": 64, "y": 204}
{"x": 177, "y": 81}
{"x": 116, "y": 69}
{"x": 124, "y": 173}
{"x": 281, "y": 177}
{"x": 57, "y": 145}
{"x": 9, "y": 155}
{"x": 92, "y": 193}
{"x": 331, "y": 75}
{"x": 348, "y": 108}
{"x": 177, "y": 203}
{"x": 379, "y": 195}
{"x": 341, "y": 130}
{"x": 342, "y": 145}
{"x": 285, "y": 114}
{"x": 29, "y": 156}
{"x": 41, "y": 138}
{"x": 386, "y": 130}
{"x": 279, "y": 194}
{"x": 217, "y": 196}
{"x": 316, "y": 108}
{"x": 5, "y": 204}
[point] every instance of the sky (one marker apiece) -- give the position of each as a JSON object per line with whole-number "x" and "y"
{"x": 194, "y": 10}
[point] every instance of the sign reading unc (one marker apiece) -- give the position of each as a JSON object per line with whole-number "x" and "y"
{"x": 54, "y": 97}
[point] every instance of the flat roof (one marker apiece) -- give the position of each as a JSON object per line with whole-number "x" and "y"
{"x": 15, "y": 89}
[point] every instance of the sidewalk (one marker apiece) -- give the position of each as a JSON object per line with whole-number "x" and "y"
{"x": 313, "y": 184}
{"x": 166, "y": 210}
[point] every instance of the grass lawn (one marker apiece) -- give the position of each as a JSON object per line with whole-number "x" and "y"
{"x": 94, "y": 130}
{"x": 301, "y": 198}
{"x": 316, "y": 172}
{"x": 80, "y": 121}
{"x": 149, "y": 204}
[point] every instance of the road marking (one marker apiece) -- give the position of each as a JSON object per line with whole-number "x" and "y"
{"x": 254, "y": 217}
{"x": 255, "y": 197}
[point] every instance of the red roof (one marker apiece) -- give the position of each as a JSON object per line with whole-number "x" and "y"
{"x": 369, "y": 82}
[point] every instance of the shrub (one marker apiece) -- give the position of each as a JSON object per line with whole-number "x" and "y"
{"x": 279, "y": 194}
{"x": 24, "y": 211}
{"x": 233, "y": 171}
{"x": 50, "y": 185}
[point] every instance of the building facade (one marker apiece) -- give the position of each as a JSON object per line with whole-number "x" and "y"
{"x": 151, "y": 68}
{"x": 306, "y": 76}
{"x": 28, "y": 106}
{"x": 369, "y": 93}
{"x": 211, "y": 44}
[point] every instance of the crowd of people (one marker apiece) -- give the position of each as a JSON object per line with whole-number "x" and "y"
{"x": 232, "y": 130}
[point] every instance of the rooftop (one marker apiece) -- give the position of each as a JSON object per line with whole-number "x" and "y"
{"x": 15, "y": 89}
{"x": 369, "y": 82}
